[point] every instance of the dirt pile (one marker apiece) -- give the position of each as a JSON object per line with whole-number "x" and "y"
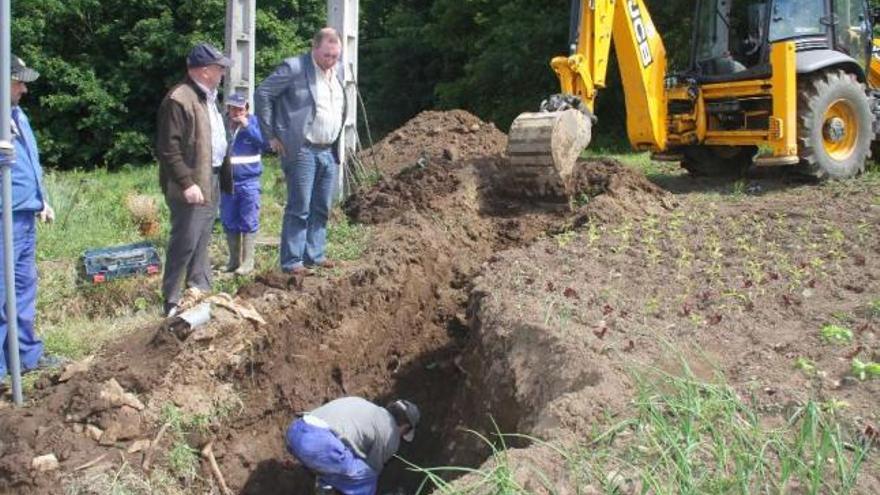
{"x": 606, "y": 191}
{"x": 433, "y": 138}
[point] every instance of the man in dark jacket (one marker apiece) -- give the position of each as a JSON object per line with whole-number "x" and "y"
{"x": 301, "y": 107}
{"x": 191, "y": 146}
{"x": 346, "y": 442}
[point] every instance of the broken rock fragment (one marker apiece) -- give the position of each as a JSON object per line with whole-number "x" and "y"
{"x": 45, "y": 463}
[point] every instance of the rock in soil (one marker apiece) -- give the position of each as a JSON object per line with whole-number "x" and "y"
{"x": 45, "y": 463}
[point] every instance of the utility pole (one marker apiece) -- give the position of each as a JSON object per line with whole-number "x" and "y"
{"x": 343, "y": 16}
{"x": 241, "y": 31}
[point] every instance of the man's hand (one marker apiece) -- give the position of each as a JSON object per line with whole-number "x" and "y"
{"x": 193, "y": 195}
{"x": 47, "y": 215}
{"x": 241, "y": 120}
{"x": 277, "y": 146}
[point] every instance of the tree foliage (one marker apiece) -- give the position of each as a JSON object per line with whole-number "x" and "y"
{"x": 488, "y": 56}
{"x": 106, "y": 64}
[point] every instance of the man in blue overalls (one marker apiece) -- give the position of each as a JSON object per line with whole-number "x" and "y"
{"x": 240, "y": 211}
{"x": 28, "y": 202}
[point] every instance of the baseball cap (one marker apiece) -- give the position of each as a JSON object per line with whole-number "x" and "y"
{"x": 237, "y": 100}
{"x": 412, "y": 414}
{"x": 205, "y": 54}
{"x": 21, "y": 72}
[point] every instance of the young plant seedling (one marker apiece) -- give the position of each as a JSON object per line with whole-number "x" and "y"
{"x": 863, "y": 371}
{"x": 835, "y": 334}
{"x": 805, "y": 364}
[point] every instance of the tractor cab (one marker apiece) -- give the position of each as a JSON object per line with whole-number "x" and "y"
{"x": 732, "y": 38}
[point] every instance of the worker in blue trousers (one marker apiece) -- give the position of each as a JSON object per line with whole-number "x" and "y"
{"x": 240, "y": 211}
{"x": 347, "y": 441}
{"x": 28, "y": 203}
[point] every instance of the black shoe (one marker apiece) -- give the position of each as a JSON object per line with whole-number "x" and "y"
{"x": 170, "y": 309}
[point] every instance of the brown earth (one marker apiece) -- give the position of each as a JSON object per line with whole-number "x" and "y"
{"x": 474, "y": 305}
{"x": 437, "y": 138}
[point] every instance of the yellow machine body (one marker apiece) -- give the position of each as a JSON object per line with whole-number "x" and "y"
{"x": 641, "y": 57}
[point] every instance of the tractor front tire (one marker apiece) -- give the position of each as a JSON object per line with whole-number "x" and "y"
{"x": 718, "y": 161}
{"x": 834, "y": 125}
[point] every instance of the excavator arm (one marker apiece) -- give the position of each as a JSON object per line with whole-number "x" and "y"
{"x": 543, "y": 146}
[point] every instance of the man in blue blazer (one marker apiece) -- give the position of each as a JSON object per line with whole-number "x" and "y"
{"x": 301, "y": 108}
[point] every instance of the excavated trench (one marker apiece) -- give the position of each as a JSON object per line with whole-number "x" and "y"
{"x": 403, "y": 323}
{"x": 397, "y": 326}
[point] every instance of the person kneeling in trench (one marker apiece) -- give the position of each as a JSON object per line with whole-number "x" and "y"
{"x": 347, "y": 441}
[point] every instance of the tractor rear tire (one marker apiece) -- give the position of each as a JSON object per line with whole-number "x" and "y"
{"x": 718, "y": 161}
{"x": 834, "y": 125}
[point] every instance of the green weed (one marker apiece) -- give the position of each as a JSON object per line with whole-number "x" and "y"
{"x": 183, "y": 460}
{"x": 346, "y": 241}
{"x": 863, "y": 371}
{"x": 806, "y": 365}
{"x": 874, "y": 308}
{"x": 835, "y": 334}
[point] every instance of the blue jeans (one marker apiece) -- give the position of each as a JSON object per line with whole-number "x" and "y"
{"x": 30, "y": 348}
{"x": 311, "y": 179}
{"x": 336, "y": 465}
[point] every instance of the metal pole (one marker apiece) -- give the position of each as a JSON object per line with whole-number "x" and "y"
{"x": 7, "y": 160}
{"x": 343, "y": 16}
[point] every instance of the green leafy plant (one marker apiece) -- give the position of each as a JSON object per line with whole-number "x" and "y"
{"x": 863, "y": 370}
{"x": 805, "y": 364}
{"x": 836, "y": 334}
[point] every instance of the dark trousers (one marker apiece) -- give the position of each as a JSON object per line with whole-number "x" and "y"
{"x": 187, "y": 253}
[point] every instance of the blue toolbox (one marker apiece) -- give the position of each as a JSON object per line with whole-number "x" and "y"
{"x": 105, "y": 264}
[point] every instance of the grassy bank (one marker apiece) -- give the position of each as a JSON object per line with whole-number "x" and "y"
{"x": 102, "y": 208}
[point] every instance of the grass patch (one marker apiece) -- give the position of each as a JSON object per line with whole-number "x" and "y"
{"x": 874, "y": 309}
{"x": 183, "y": 460}
{"x": 93, "y": 210}
{"x": 346, "y": 241}
{"x": 126, "y": 480}
{"x": 76, "y": 338}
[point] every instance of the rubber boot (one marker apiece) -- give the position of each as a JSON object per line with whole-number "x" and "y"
{"x": 233, "y": 240}
{"x": 248, "y": 250}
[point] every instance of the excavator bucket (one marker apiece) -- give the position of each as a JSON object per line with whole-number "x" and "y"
{"x": 542, "y": 148}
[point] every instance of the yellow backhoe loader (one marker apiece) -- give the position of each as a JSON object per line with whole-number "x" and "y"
{"x": 770, "y": 83}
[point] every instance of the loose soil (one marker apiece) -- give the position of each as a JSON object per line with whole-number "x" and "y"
{"x": 432, "y": 138}
{"x": 487, "y": 311}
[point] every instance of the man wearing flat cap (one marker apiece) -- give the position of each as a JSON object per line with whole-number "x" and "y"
{"x": 191, "y": 148}
{"x": 28, "y": 203}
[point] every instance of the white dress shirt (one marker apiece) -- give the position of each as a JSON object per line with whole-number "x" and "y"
{"x": 218, "y": 128}
{"x": 329, "y": 103}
